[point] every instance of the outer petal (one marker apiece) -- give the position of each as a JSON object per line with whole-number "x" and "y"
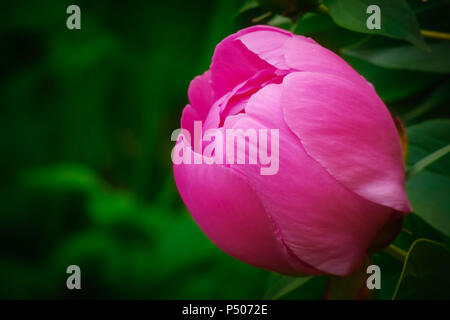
{"x": 188, "y": 117}
{"x": 309, "y": 56}
{"x": 201, "y": 97}
{"x": 268, "y": 44}
{"x": 322, "y": 222}
{"x": 349, "y": 131}
{"x": 232, "y": 216}
{"x": 234, "y": 63}
{"x": 200, "y": 94}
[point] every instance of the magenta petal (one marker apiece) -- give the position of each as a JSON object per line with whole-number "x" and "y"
{"x": 200, "y": 94}
{"x": 347, "y": 129}
{"x": 232, "y": 64}
{"x": 234, "y": 101}
{"x": 188, "y": 117}
{"x": 268, "y": 45}
{"x": 232, "y": 216}
{"x": 309, "y": 56}
{"x": 321, "y": 222}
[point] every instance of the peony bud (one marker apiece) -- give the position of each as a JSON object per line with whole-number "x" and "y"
{"x": 339, "y": 175}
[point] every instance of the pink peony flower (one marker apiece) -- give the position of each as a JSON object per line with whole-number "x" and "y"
{"x": 341, "y": 174}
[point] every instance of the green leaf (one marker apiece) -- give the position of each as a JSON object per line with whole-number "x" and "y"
{"x": 427, "y": 137}
{"x": 397, "y": 19}
{"x": 428, "y": 193}
{"x": 280, "y": 285}
{"x": 323, "y": 30}
{"x": 280, "y": 21}
{"x": 428, "y": 190}
{"x": 313, "y": 22}
{"x": 425, "y": 272}
{"x": 439, "y": 96}
{"x": 425, "y": 162}
{"x": 405, "y": 57}
{"x": 392, "y": 85}
{"x": 414, "y": 228}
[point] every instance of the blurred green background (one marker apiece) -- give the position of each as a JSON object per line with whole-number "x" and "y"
{"x": 86, "y": 119}
{"x": 86, "y": 122}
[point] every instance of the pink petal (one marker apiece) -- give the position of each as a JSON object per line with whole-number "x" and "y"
{"x": 321, "y": 222}
{"x": 233, "y": 63}
{"x": 347, "y": 129}
{"x": 268, "y": 45}
{"x": 234, "y": 101}
{"x": 309, "y": 56}
{"x": 200, "y": 94}
{"x": 188, "y": 117}
{"x": 232, "y": 216}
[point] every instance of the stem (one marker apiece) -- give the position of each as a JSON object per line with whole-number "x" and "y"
{"x": 395, "y": 252}
{"x": 435, "y": 34}
{"x": 407, "y": 231}
{"x": 262, "y": 17}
